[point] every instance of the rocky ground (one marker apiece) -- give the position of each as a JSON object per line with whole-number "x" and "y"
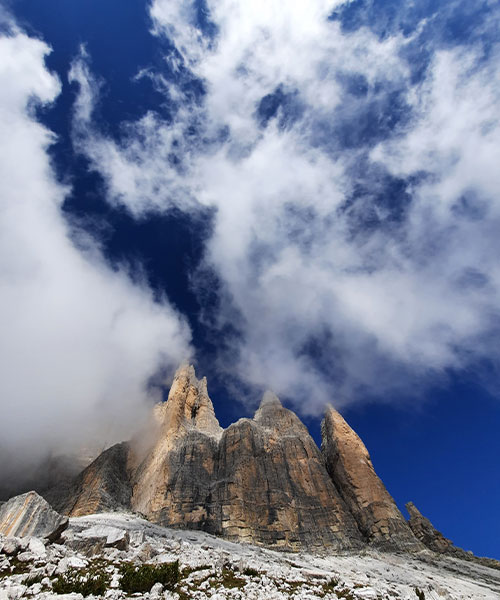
{"x": 118, "y": 555}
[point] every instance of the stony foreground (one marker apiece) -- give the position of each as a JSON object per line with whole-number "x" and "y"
{"x": 106, "y": 548}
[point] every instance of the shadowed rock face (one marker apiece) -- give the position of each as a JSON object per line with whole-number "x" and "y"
{"x": 262, "y": 480}
{"x": 352, "y": 472}
{"x": 30, "y": 515}
{"x": 433, "y": 539}
{"x": 103, "y": 485}
{"x": 425, "y": 532}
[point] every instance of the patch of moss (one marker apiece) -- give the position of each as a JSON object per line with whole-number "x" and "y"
{"x": 141, "y": 578}
{"x": 87, "y": 581}
{"x": 32, "y": 579}
{"x": 345, "y": 593}
{"x": 230, "y": 580}
{"x": 329, "y": 586}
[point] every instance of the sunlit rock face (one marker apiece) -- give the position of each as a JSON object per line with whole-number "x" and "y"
{"x": 262, "y": 480}
{"x": 352, "y": 472}
{"x": 173, "y": 484}
{"x": 273, "y": 488}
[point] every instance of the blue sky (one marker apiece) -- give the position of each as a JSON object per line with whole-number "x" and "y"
{"x": 304, "y": 199}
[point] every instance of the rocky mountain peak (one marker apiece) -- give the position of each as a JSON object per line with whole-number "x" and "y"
{"x": 269, "y": 398}
{"x": 351, "y": 469}
{"x": 188, "y": 406}
{"x": 261, "y": 480}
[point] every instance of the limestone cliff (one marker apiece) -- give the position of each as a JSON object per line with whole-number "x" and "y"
{"x": 272, "y": 486}
{"x": 352, "y": 472}
{"x": 262, "y": 480}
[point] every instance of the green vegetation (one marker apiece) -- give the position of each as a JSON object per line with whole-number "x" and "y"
{"x": 90, "y": 581}
{"x": 229, "y": 579}
{"x": 330, "y": 586}
{"x": 346, "y": 594}
{"x": 251, "y": 572}
{"x": 32, "y": 579}
{"x": 141, "y": 578}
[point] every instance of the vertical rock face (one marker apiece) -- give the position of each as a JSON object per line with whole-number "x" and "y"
{"x": 352, "y": 472}
{"x": 262, "y": 480}
{"x": 172, "y": 485}
{"x": 273, "y": 488}
{"x": 104, "y": 485}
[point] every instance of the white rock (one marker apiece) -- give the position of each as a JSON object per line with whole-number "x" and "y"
{"x": 137, "y": 537}
{"x": 25, "y": 557}
{"x": 156, "y": 590}
{"x": 366, "y": 594}
{"x": 11, "y": 545}
{"x": 37, "y": 547}
{"x": 35, "y": 589}
{"x": 13, "y": 592}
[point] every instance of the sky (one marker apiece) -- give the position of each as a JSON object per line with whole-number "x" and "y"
{"x": 298, "y": 196}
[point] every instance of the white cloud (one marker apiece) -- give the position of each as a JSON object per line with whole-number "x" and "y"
{"x": 383, "y": 308}
{"x": 79, "y": 340}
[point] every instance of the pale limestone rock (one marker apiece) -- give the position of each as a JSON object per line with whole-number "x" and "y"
{"x": 31, "y": 515}
{"x": 352, "y": 472}
{"x": 11, "y": 546}
{"x": 37, "y": 547}
{"x": 183, "y": 457}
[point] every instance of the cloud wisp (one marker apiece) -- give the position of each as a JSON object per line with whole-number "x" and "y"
{"x": 355, "y": 204}
{"x": 79, "y": 340}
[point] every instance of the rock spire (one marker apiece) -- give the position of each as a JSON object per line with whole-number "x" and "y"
{"x": 261, "y": 480}
{"x": 352, "y": 472}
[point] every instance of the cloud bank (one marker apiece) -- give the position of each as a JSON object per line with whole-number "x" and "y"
{"x": 356, "y": 200}
{"x": 79, "y": 340}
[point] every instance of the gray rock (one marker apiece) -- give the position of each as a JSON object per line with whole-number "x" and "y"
{"x": 26, "y": 557}
{"x": 31, "y": 515}
{"x": 433, "y": 539}
{"x": 11, "y": 546}
{"x": 37, "y": 547}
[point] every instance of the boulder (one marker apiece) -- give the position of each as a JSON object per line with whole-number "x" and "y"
{"x": 30, "y": 515}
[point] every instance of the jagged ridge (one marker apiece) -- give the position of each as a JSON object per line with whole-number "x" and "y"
{"x": 262, "y": 480}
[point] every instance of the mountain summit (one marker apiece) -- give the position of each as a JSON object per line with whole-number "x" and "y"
{"x": 261, "y": 480}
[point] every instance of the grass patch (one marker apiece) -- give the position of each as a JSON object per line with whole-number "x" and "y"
{"x": 88, "y": 581}
{"x": 186, "y": 572}
{"x": 230, "y": 580}
{"x": 346, "y": 594}
{"x": 251, "y": 572}
{"x": 32, "y": 579}
{"x": 329, "y": 586}
{"x": 141, "y": 578}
